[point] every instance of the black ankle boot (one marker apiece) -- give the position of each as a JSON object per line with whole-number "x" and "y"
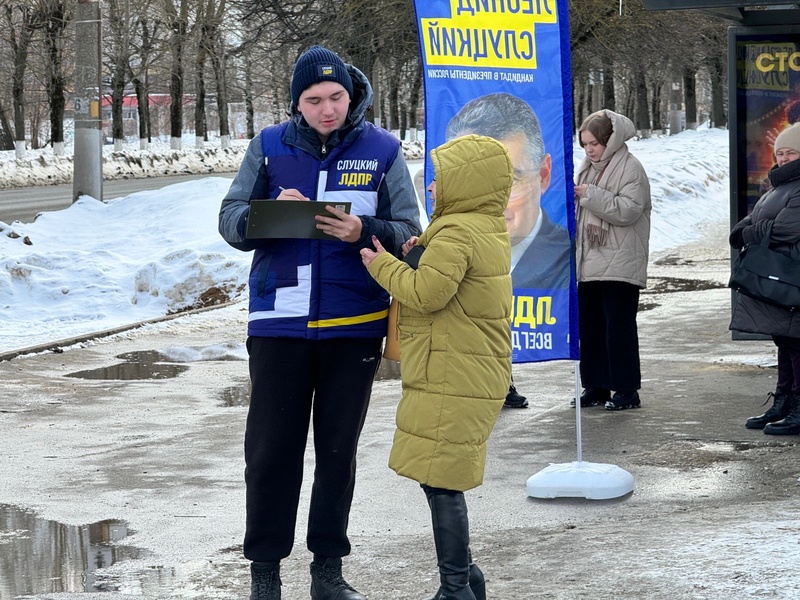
{"x": 265, "y": 581}
{"x": 477, "y": 583}
{"x": 776, "y": 412}
{"x": 789, "y": 425}
{"x": 327, "y": 582}
{"x": 624, "y": 401}
{"x": 593, "y": 397}
{"x": 451, "y": 536}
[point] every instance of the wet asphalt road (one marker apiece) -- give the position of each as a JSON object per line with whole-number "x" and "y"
{"x": 23, "y": 204}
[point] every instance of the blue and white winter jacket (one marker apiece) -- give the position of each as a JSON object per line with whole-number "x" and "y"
{"x": 318, "y": 289}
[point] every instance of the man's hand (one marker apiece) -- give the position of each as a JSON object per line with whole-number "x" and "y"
{"x": 367, "y": 255}
{"x": 341, "y": 225}
{"x": 291, "y": 194}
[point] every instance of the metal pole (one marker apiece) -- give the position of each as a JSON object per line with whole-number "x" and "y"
{"x": 578, "y": 432}
{"x": 88, "y": 161}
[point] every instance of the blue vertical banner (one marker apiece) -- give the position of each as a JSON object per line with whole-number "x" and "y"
{"x": 501, "y": 68}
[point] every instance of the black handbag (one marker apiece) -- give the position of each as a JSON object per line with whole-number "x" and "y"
{"x": 767, "y": 275}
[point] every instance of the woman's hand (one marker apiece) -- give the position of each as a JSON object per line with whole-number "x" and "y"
{"x": 367, "y": 255}
{"x": 580, "y": 190}
{"x": 341, "y": 225}
{"x": 409, "y": 244}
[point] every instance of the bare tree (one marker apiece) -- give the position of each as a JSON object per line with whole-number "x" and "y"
{"x": 201, "y": 55}
{"x": 639, "y": 46}
{"x": 21, "y": 21}
{"x": 215, "y": 17}
{"x": 55, "y": 17}
{"x": 178, "y": 22}
{"x": 148, "y": 28}
{"x": 118, "y": 50}
{"x": 6, "y": 135}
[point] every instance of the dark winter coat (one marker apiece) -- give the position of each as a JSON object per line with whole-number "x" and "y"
{"x": 780, "y": 207}
{"x": 318, "y": 289}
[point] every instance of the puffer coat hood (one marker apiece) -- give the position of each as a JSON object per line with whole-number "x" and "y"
{"x": 455, "y": 337}
{"x": 623, "y": 130}
{"x": 619, "y": 196}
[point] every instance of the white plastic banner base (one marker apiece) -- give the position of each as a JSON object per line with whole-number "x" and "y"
{"x": 594, "y": 481}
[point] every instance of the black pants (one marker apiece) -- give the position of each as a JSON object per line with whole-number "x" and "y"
{"x": 288, "y": 377}
{"x": 609, "y": 338}
{"x": 788, "y": 364}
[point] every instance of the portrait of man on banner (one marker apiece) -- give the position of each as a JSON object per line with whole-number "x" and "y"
{"x": 540, "y": 248}
{"x": 505, "y": 75}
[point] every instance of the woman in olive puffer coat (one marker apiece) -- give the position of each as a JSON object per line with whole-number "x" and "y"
{"x": 455, "y": 343}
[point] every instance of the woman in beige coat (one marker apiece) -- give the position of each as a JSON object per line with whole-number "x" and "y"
{"x": 455, "y": 343}
{"x": 612, "y": 197}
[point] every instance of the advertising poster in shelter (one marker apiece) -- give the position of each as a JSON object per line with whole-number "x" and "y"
{"x": 501, "y": 68}
{"x": 765, "y": 99}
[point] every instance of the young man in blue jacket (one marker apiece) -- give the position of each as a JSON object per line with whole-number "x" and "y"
{"x": 316, "y": 318}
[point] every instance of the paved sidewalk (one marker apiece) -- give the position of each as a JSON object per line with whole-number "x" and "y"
{"x": 714, "y": 513}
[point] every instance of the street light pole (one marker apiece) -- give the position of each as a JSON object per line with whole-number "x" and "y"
{"x": 87, "y": 176}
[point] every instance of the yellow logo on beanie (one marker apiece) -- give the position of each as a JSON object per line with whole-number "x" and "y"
{"x": 326, "y": 70}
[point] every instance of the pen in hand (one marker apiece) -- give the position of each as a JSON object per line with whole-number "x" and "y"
{"x": 290, "y": 194}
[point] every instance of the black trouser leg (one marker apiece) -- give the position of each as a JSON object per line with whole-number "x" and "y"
{"x": 346, "y": 370}
{"x": 788, "y": 364}
{"x": 609, "y": 338}
{"x": 285, "y": 375}
{"x": 281, "y": 375}
{"x": 592, "y": 335}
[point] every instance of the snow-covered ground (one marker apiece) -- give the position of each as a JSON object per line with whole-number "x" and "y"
{"x": 102, "y": 265}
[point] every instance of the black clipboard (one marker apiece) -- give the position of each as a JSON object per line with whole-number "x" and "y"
{"x": 288, "y": 219}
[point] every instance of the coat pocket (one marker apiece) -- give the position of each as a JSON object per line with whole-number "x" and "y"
{"x": 415, "y": 349}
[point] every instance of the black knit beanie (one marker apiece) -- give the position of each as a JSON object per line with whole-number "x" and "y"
{"x": 319, "y": 64}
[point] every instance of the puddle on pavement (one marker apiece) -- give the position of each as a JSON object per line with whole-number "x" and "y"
{"x": 665, "y": 285}
{"x": 235, "y": 395}
{"x": 138, "y": 366}
{"x": 152, "y": 364}
{"x": 38, "y": 556}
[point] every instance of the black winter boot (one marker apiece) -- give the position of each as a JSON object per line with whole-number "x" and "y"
{"x": 514, "y": 399}
{"x": 477, "y": 583}
{"x": 789, "y": 425}
{"x": 776, "y": 412}
{"x": 592, "y": 397}
{"x": 265, "y": 581}
{"x": 327, "y": 582}
{"x": 624, "y": 401}
{"x": 451, "y": 536}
